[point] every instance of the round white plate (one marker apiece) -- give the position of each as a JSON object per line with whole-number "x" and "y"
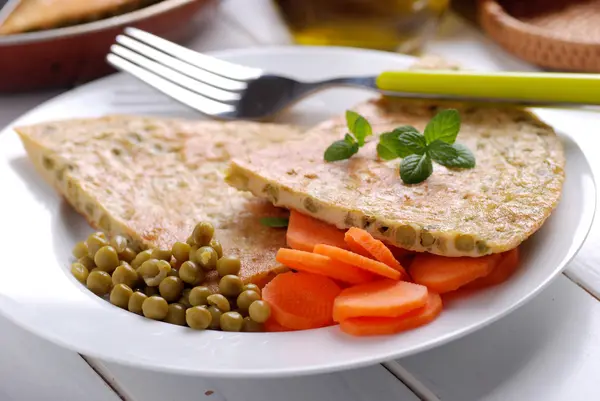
{"x": 38, "y": 230}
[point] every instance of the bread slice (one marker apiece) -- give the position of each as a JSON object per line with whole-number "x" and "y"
{"x": 489, "y": 209}
{"x": 152, "y": 180}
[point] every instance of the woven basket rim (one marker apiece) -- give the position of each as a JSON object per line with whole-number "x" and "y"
{"x": 493, "y": 9}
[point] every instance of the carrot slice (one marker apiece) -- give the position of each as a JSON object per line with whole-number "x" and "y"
{"x": 301, "y": 301}
{"x": 304, "y": 232}
{"x": 508, "y": 264}
{"x": 356, "y": 247}
{"x": 370, "y": 326}
{"x": 357, "y": 260}
{"x": 318, "y": 264}
{"x": 387, "y": 298}
{"x": 358, "y": 238}
{"x": 272, "y": 326}
{"x": 444, "y": 274}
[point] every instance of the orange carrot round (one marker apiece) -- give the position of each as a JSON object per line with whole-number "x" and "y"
{"x": 443, "y": 274}
{"x": 357, "y": 260}
{"x": 508, "y": 264}
{"x": 301, "y": 301}
{"x": 370, "y": 326}
{"x": 357, "y": 238}
{"x": 318, "y": 264}
{"x": 304, "y": 232}
{"x": 271, "y": 326}
{"x": 387, "y": 298}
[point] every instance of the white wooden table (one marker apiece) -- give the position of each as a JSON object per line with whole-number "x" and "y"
{"x": 547, "y": 350}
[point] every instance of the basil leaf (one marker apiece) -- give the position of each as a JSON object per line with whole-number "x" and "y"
{"x": 275, "y": 222}
{"x": 358, "y": 126}
{"x": 351, "y": 117}
{"x": 349, "y": 139}
{"x": 416, "y": 168}
{"x": 340, "y": 150}
{"x": 464, "y": 158}
{"x": 411, "y": 142}
{"x": 441, "y": 152}
{"x": 444, "y": 126}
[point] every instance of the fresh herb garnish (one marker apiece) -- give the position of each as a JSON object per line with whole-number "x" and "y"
{"x": 419, "y": 150}
{"x": 345, "y": 148}
{"x": 275, "y": 222}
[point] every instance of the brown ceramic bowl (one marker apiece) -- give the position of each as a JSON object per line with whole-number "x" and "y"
{"x": 552, "y": 34}
{"x": 72, "y": 55}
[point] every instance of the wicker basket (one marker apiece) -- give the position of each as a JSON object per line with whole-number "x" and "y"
{"x": 553, "y": 34}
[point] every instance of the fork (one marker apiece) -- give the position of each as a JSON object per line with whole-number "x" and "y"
{"x": 229, "y": 91}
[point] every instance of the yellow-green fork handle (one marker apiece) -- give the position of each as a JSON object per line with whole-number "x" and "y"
{"x": 520, "y": 87}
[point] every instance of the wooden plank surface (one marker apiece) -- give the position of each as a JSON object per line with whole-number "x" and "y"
{"x": 547, "y": 350}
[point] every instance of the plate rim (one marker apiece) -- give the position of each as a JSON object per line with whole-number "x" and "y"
{"x": 357, "y": 361}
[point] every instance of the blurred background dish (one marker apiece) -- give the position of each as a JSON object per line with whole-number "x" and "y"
{"x": 65, "y": 45}
{"x": 393, "y": 25}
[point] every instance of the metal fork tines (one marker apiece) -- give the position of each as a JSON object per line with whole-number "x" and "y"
{"x": 214, "y": 87}
{"x": 207, "y": 84}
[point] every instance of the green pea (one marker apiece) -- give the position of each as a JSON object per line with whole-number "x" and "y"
{"x": 128, "y": 255}
{"x": 203, "y": 233}
{"x": 141, "y": 258}
{"x": 107, "y": 259}
{"x": 170, "y": 288}
{"x": 215, "y": 322}
{"x": 80, "y": 272}
{"x": 228, "y": 265}
{"x": 199, "y": 296}
{"x": 136, "y": 300}
{"x": 176, "y": 314}
{"x": 230, "y": 285}
{"x": 161, "y": 254}
{"x": 250, "y": 326}
{"x": 119, "y": 243}
{"x": 94, "y": 243}
{"x": 80, "y": 250}
{"x": 216, "y": 245}
{"x": 231, "y": 321}
{"x": 190, "y": 273}
{"x": 99, "y": 282}
{"x": 155, "y": 307}
{"x": 245, "y": 299}
{"x": 219, "y": 301}
{"x": 125, "y": 274}
{"x": 464, "y": 243}
{"x": 198, "y": 318}
{"x": 87, "y": 262}
{"x": 181, "y": 251}
{"x": 206, "y": 258}
{"x": 260, "y": 311}
{"x": 120, "y": 294}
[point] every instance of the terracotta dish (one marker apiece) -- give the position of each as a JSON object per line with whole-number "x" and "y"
{"x": 74, "y": 54}
{"x": 553, "y": 34}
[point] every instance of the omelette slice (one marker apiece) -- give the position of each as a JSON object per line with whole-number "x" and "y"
{"x": 491, "y": 208}
{"x": 152, "y": 180}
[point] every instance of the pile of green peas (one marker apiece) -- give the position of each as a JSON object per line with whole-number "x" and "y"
{"x": 166, "y": 284}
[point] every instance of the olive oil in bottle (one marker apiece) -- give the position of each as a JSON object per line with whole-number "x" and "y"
{"x": 394, "y": 25}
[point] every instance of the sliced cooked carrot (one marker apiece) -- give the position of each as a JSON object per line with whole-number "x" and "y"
{"x": 356, "y": 247}
{"x": 370, "y": 326}
{"x": 443, "y": 274}
{"x": 318, "y": 264}
{"x": 304, "y": 232}
{"x": 357, "y": 238}
{"x": 504, "y": 269}
{"x": 301, "y": 301}
{"x": 357, "y": 260}
{"x": 272, "y": 326}
{"x": 387, "y": 298}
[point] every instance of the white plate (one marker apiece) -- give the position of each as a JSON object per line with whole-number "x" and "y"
{"x": 38, "y": 230}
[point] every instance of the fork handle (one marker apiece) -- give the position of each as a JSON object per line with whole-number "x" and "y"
{"x": 520, "y": 87}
